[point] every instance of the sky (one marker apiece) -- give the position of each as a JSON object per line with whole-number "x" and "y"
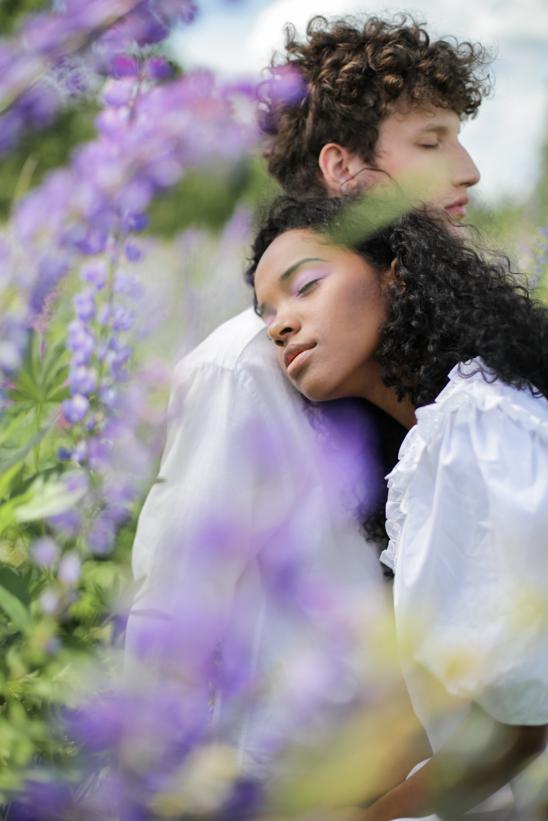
{"x": 236, "y": 38}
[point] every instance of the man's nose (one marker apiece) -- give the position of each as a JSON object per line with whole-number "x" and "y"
{"x": 466, "y": 171}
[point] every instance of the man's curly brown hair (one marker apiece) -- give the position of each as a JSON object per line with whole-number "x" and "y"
{"x": 352, "y": 76}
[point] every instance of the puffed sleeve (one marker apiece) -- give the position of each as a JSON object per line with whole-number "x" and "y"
{"x": 472, "y": 567}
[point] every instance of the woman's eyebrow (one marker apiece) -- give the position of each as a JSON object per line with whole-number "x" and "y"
{"x": 259, "y": 309}
{"x": 296, "y": 265}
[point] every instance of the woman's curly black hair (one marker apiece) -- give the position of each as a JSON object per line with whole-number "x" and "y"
{"x": 449, "y": 300}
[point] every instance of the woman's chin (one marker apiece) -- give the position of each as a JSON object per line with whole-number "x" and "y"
{"x": 315, "y": 391}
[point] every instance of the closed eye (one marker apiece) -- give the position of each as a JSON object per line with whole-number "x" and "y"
{"x": 429, "y": 145}
{"x": 306, "y": 286}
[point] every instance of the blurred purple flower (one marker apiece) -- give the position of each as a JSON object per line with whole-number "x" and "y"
{"x": 81, "y": 342}
{"x": 42, "y": 801}
{"x": 64, "y": 454}
{"x": 82, "y": 380}
{"x": 50, "y": 272}
{"x": 122, "y": 319}
{"x": 101, "y": 535}
{"x": 122, "y": 65}
{"x": 84, "y": 304}
{"x": 118, "y": 93}
{"x": 134, "y": 222}
{"x": 80, "y": 452}
{"x": 49, "y": 601}
{"x": 156, "y": 68}
{"x": 128, "y": 285}
{"x": 244, "y": 802}
{"x": 133, "y": 252}
{"x": 96, "y": 274}
{"x": 75, "y": 409}
{"x": 286, "y": 85}
{"x": 149, "y": 731}
{"x": 67, "y": 524}
{"x": 69, "y": 569}
{"x": 45, "y": 552}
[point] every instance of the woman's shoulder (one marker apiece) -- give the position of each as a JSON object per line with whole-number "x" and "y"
{"x": 476, "y": 418}
{"x": 474, "y": 387}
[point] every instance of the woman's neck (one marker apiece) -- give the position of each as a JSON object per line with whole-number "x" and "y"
{"x": 376, "y": 392}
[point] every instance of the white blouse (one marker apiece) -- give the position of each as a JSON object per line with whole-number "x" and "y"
{"x": 467, "y": 519}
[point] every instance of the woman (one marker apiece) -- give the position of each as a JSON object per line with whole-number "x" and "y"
{"x": 451, "y": 346}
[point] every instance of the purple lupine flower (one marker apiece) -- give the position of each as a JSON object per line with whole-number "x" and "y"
{"x": 80, "y": 452}
{"x": 51, "y": 60}
{"x": 122, "y": 65}
{"x": 67, "y": 524}
{"x": 118, "y": 93}
{"x": 134, "y": 221}
{"x": 42, "y": 801}
{"x": 45, "y": 552}
{"x": 69, "y": 569}
{"x": 75, "y": 408}
{"x": 84, "y": 304}
{"x": 64, "y": 454}
{"x": 146, "y": 732}
{"x": 244, "y": 802}
{"x": 286, "y": 85}
{"x": 101, "y": 535}
{"x": 122, "y": 319}
{"x": 117, "y": 360}
{"x": 108, "y": 396}
{"x": 49, "y": 601}
{"x": 96, "y": 274}
{"x": 119, "y": 501}
{"x": 133, "y": 252}
{"x": 50, "y": 272}
{"x": 156, "y": 68}
{"x": 82, "y": 380}
{"x": 81, "y": 342}
{"x": 127, "y": 284}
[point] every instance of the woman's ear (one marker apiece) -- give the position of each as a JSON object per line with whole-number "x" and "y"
{"x": 341, "y": 170}
{"x": 392, "y": 276}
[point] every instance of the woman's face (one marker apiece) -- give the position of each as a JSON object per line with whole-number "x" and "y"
{"x": 324, "y": 308}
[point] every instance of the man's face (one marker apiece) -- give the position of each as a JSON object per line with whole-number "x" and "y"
{"x": 407, "y": 140}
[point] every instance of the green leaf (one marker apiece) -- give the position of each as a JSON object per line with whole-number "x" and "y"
{"x": 54, "y": 368}
{"x": 15, "y": 584}
{"x": 13, "y": 456}
{"x": 8, "y": 510}
{"x": 15, "y": 609}
{"x": 8, "y": 479}
{"x": 48, "y": 499}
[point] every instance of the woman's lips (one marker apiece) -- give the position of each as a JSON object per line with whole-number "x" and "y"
{"x": 296, "y": 356}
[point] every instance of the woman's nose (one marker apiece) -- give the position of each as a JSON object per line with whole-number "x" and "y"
{"x": 282, "y": 328}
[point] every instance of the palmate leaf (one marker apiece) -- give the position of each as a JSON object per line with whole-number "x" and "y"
{"x": 12, "y": 456}
{"x": 42, "y": 378}
{"x": 9, "y": 457}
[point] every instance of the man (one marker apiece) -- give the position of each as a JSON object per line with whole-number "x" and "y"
{"x": 246, "y": 499}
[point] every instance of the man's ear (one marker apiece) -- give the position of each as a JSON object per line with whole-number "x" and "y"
{"x": 341, "y": 170}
